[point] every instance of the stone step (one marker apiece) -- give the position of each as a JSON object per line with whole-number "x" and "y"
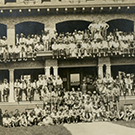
{"x": 22, "y": 106}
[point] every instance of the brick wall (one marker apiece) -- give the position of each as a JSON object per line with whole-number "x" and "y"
{"x": 51, "y": 20}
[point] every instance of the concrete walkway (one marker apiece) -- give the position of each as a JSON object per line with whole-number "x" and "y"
{"x": 99, "y": 128}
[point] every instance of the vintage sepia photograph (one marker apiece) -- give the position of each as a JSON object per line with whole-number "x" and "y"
{"x": 67, "y": 67}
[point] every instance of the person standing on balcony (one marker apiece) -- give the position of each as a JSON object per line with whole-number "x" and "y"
{"x": 5, "y": 54}
{"x": 23, "y": 54}
{"x": 45, "y": 39}
{"x": 11, "y": 52}
{"x": 39, "y": 85}
{"x": 23, "y": 90}
{"x": 59, "y": 83}
{"x": 55, "y": 49}
{"x": 17, "y": 90}
{"x": 17, "y": 39}
{"x": 4, "y": 41}
{"x": 22, "y": 41}
{"x": 29, "y": 41}
{"x": 104, "y": 26}
{"x": 5, "y": 90}
{"x": 92, "y": 28}
{"x": 17, "y": 50}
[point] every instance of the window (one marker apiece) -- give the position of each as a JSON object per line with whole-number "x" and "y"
{"x": 75, "y": 79}
{"x": 7, "y": 1}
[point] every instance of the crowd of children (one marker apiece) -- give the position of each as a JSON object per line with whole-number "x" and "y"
{"x": 81, "y": 105}
{"x": 91, "y": 42}
{"x": 74, "y": 107}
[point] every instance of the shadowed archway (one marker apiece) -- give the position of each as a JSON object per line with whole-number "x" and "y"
{"x": 121, "y": 24}
{"x": 70, "y": 26}
{"x": 29, "y": 28}
{"x": 3, "y": 30}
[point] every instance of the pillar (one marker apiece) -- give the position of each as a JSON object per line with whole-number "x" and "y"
{"x": 104, "y": 61}
{"x": 47, "y": 71}
{"x": 11, "y": 80}
{"x": 2, "y": 2}
{"x": 134, "y": 26}
{"x": 51, "y": 27}
{"x": 108, "y": 69}
{"x": 18, "y": 1}
{"x": 11, "y": 36}
{"x": 55, "y": 69}
{"x": 54, "y": 1}
{"x": 100, "y": 70}
{"x": 39, "y": 1}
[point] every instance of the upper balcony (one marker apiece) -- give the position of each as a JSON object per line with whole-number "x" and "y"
{"x": 15, "y": 4}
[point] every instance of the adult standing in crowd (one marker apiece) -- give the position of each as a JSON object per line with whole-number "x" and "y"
{"x": 5, "y": 86}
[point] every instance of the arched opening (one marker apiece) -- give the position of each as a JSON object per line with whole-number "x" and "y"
{"x": 4, "y": 74}
{"x": 51, "y": 71}
{"x": 121, "y": 24}
{"x": 3, "y": 30}
{"x": 128, "y": 69}
{"x": 29, "y": 28}
{"x": 33, "y": 73}
{"x": 7, "y": 1}
{"x": 104, "y": 70}
{"x": 70, "y": 26}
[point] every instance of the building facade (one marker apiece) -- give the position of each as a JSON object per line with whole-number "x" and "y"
{"x": 21, "y": 16}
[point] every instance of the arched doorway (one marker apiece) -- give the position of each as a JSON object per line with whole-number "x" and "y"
{"x": 7, "y": 1}
{"x": 29, "y": 28}
{"x": 70, "y": 26}
{"x": 128, "y": 69}
{"x": 34, "y": 73}
{"x": 121, "y": 24}
{"x": 3, "y": 30}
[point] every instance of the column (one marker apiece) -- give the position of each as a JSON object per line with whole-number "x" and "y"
{"x": 55, "y": 69}
{"x": 100, "y": 71}
{"x": 54, "y": 1}
{"x": 47, "y": 71}
{"x": 18, "y": 1}
{"x": 11, "y": 80}
{"x": 134, "y": 26}
{"x": 11, "y": 36}
{"x": 51, "y": 27}
{"x": 2, "y": 2}
{"x": 39, "y": 1}
{"x": 108, "y": 69}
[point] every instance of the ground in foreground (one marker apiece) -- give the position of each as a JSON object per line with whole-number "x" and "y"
{"x": 35, "y": 130}
{"x": 99, "y": 128}
{"x": 94, "y": 128}
{"x": 130, "y": 124}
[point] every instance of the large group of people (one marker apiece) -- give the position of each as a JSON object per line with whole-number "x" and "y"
{"x": 45, "y": 87}
{"x": 95, "y": 100}
{"x": 92, "y": 42}
{"x": 27, "y": 90}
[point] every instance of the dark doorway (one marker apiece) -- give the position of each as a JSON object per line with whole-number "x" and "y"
{"x": 121, "y": 25}
{"x": 51, "y": 71}
{"x": 7, "y": 1}
{"x": 70, "y": 26}
{"x": 32, "y": 72}
{"x": 82, "y": 72}
{"x": 104, "y": 70}
{"x": 123, "y": 68}
{"x": 4, "y": 74}
{"x": 29, "y": 28}
{"x": 3, "y": 30}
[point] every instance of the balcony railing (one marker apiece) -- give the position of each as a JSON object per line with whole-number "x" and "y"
{"x": 53, "y": 2}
